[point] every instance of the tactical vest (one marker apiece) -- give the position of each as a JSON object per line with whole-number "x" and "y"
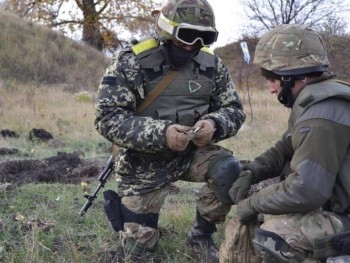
{"x": 187, "y": 98}
{"x": 310, "y": 95}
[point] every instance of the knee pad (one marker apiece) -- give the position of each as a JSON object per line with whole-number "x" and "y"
{"x": 223, "y": 170}
{"x": 273, "y": 248}
{"x": 118, "y": 214}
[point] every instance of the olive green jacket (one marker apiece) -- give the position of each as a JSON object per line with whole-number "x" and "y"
{"x": 316, "y": 151}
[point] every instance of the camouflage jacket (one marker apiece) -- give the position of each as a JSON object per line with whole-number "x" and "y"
{"x": 140, "y": 163}
{"x": 316, "y": 151}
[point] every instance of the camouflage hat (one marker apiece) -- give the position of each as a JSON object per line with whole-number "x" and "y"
{"x": 291, "y": 49}
{"x": 196, "y": 13}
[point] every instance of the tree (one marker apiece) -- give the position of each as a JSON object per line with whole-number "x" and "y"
{"x": 270, "y": 13}
{"x": 102, "y": 23}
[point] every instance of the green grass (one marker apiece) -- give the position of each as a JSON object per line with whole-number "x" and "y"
{"x": 40, "y": 223}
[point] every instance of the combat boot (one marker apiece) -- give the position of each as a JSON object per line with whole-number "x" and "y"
{"x": 200, "y": 241}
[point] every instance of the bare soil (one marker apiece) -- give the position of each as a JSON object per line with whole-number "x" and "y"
{"x": 63, "y": 168}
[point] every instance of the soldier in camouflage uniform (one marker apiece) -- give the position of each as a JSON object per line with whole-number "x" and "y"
{"x": 309, "y": 209}
{"x": 161, "y": 143}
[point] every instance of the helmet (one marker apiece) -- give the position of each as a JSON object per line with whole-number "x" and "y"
{"x": 187, "y": 21}
{"x": 291, "y": 49}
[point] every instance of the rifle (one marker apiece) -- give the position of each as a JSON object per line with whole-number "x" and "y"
{"x": 103, "y": 177}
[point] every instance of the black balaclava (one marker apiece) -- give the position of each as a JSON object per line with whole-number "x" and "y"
{"x": 287, "y": 83}
{"x": 177, "y": 56}
{"x": 285, "y": 96}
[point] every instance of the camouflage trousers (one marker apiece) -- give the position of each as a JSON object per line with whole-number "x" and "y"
{"x": 301, "y": 230}
{"x": 298, "y": 230}
{"x": 207, "y": 204}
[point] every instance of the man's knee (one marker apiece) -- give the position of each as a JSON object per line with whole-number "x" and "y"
{"x": 223, "y": 170}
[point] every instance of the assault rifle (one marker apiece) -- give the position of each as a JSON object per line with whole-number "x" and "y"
{"x": 103, "y": 177}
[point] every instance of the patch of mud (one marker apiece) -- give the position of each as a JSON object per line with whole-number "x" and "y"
{"x": 63, "y": 168}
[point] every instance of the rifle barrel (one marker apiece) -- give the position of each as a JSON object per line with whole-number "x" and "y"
{"x": 103, "y": 177}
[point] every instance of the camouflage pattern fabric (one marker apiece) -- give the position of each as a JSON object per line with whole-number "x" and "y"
{"x": 288, "y": 47}
{"x": 195, "y": 12}
{"x": 117, "y": 121}
{"x": 256, "y": 187}
{"x": 237, "y": 246}
{"x": 300, "y": 230}
{"x": 142, "y": 204}
{"x": 207, "y": 204}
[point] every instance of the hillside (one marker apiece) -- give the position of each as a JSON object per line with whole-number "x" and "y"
{"x": 33, "y": 54}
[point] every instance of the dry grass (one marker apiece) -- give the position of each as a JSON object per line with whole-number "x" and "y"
{"x": 59, "y": 112}
{"x": 70, "y": 117}
{"x": 266, "y": 121}
{"x": 34, "y": 54}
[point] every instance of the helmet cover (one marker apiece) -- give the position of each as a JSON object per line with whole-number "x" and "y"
{"x": 291, "y": 49}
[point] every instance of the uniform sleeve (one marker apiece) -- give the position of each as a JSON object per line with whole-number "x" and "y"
{"x": 225, "y": 105}
{"x": 321, "y": 140}
{"x": 273, "y": 162}
{"x": 120, "y": 91}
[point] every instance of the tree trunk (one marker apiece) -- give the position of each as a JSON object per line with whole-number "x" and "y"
{"x": 91, "y": 28}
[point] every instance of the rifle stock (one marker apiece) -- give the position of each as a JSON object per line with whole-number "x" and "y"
{"x": 103, "y": 177}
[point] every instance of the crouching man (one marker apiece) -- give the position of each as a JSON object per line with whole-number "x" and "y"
{"x": 306, "y": 212}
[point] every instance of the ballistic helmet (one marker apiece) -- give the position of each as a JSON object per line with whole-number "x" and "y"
{"x": 187, "y": 21}
{"x": 290, "y": 50}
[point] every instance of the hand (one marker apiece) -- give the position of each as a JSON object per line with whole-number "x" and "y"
{"x": 176, "y": 138}
{"x": 244, "y": 212}
{"x": 239, "y": 189}
{"x": 205, "y": 133}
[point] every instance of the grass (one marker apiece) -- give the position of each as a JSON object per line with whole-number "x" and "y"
{"x": 40, "y": 222}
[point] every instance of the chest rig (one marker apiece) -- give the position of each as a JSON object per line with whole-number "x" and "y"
{"x": 187, "y": 97}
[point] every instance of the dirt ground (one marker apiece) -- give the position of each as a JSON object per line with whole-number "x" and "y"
{"x": 64, "y": 168}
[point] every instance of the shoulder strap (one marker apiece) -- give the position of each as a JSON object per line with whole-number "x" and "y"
{"x": 151, "y": 96}
{"x": 154, "y": 93}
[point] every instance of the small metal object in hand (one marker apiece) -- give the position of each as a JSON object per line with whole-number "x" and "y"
{"x": 193, "y": 131}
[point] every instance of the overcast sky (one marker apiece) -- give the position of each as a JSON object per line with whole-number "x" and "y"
{"x": 229, "y": 18}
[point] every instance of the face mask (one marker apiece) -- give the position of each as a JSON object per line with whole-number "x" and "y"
{"x": 285, "y": 96}
{"x": 177, "y": 56}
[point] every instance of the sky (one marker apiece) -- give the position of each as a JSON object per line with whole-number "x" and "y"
{"x": 229, "y": 16}
{"x": 230, "y": 19}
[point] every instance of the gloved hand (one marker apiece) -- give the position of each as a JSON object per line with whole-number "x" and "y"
{"x": 175, "y": 137}
{"x": 245, "y": 212}
{"x": 205, "y": 133}
{"x": 241, "y": 186}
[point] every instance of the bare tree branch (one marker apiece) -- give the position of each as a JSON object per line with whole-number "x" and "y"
{"x": 98, "y": 20}
{"x": 269, "y": 13}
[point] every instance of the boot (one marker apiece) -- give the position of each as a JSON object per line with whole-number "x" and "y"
{"x": 200, "y": 242}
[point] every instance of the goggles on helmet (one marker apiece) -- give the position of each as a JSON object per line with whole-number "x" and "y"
{"x": 187, "y": 33}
